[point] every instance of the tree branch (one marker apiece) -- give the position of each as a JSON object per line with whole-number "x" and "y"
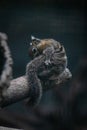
{"x": 19, "y": 88}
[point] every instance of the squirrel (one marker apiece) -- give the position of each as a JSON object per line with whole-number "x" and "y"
{"x": 44, "y": 46}
{"x": 55, "y": 56}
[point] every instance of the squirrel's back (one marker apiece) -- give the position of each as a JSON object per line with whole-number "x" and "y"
{"x": 47, "y": 43}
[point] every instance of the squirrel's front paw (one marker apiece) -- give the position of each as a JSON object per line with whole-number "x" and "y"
{"x": 47, "y": 62}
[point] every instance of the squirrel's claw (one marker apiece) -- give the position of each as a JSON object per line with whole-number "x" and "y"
{"x": 47, "y": 62}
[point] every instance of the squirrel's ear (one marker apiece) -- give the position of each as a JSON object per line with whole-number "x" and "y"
{"x": 34, "y": 38}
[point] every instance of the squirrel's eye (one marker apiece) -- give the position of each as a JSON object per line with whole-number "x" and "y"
{"x": 34, "y": 50}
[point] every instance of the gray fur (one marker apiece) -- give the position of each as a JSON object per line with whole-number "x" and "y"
{"x": 38, "y": 70}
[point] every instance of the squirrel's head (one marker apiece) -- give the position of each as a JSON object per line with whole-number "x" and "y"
{"x": 34, "y": 41}
{"x": 33, "y": 50}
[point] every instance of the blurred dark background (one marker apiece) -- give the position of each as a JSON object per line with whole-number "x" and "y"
{"x": 62, "y": 20}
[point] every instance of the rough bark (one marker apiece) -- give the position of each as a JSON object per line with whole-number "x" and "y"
{"x": 19, "y": 88}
